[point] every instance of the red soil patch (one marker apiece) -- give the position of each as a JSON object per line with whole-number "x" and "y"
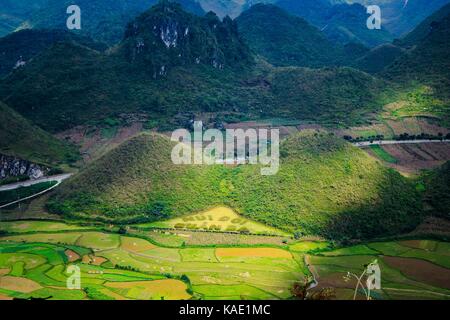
{"x": 421, "y": 270}
{"x": 71, "y": 255}
{"x": 94, "y": 260}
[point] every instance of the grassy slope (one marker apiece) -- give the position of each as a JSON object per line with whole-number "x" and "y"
{"x": 324, "y": 186}
{"x": 21, "y": 139}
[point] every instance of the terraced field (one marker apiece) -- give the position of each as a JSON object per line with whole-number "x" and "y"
{"x": 410, "y": 158}
{"x": 121, "y": 267}
{"x": 115, "y": 266}
{"x": 412, "y": 269}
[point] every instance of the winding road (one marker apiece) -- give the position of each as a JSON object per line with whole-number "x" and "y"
{"x": 383, "y": 142}
{"x": 58, "y": 178}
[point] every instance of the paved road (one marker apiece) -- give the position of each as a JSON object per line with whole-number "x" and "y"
{"x": 382, "y": 142}
{"x": 58, "y": 178}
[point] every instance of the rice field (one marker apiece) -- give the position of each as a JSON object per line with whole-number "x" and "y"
{"x": 122, "y": 267}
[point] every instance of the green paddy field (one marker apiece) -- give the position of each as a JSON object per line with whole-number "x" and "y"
{"x": 35, "y": 255}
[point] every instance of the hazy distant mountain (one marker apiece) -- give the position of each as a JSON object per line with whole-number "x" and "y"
{"x": 13, "y": 13}
{"x": 401, "y": 16}
{"x": 425, "y": 27}
{"x": 342, "y": 23}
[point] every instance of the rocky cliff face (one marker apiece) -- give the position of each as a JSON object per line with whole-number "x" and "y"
{"x": 166, "y": 36}
{"x": 13, "y": 167}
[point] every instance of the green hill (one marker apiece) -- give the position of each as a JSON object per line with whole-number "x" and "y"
{"x": 324, "y": 187}
{"x": 424, "y": 73}
{"x": 286, "y": 40}
{"x": 26, "y": 44}
{"x": 19, "y": 138}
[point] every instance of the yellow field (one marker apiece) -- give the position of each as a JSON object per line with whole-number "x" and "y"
{"x": 168, "y": 289}
{"x": 18, "y": 284}
{"x": 217, "y": 219}
{"x": 135, "y": 244}
{"x": 253, "y": 253}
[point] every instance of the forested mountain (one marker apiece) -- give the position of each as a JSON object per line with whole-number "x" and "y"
{"x": 172, "y": 62}
{"x": 102, "y": 20}
{"x": 286, "y": 40}
{"x": 19, "y": 47}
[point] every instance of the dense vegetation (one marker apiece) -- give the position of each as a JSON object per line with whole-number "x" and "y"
{"x": 437, "y": 185}
{"x": 210, "y": 70}
{"x": 19, "y": 138}
{"x": 166, "y": 36}
{"x": 286, "y": 40}
{"x": 378, "y": 58}
{"x": 103, "y": 20}
{"x": 23, "y": 192}
{"x": 324, "y": 186}
{"x": 423, "y": 74}
{"x": 21, "y": 46}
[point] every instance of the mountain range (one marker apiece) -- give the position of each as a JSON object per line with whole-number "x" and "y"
{"x": 204, "y": 62}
